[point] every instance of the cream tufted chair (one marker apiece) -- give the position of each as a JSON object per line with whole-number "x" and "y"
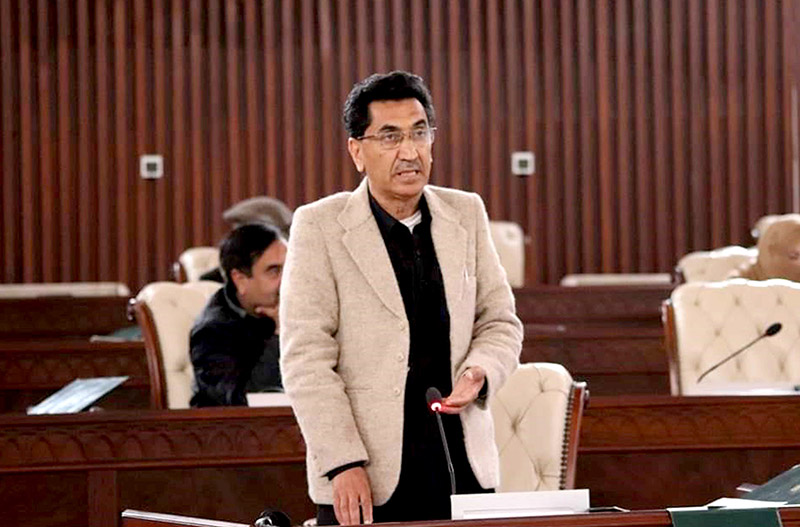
{"x": 194, "y": 262}
{"x": 712, "y": 266}
{"x": 705, "y": 322}
{"x": 537, "y": 418}
{"x": 166, "y": 312}
{"x": 509, "y": 240}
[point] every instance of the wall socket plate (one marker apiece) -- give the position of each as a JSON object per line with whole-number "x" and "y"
{"x": 523, "y": 163}
{"x": 151, "y": 166}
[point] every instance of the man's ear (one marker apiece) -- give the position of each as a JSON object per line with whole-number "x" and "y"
{"x": 238, "y": 279}
{"x": 354, "y": 147}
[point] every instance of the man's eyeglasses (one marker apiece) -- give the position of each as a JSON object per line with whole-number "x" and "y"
{"x": 393, "y": 139}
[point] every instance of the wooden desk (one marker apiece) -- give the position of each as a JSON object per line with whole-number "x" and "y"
{"x": 82, "y": 470}
{"x": 612, "y": 360}
{"x": 631, "y": 306}
{"x": 61, "y": 316}
{"x": 32, "y": 369}
{"x": 635, "y": 452}
{"x": 653, "y": 452}
{"x": 656, "y": 518}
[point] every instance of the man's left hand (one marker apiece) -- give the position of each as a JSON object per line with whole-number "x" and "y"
{"x": 465, "y": 391}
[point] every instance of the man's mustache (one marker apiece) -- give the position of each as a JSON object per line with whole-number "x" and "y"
{"x": 405, "y": 166}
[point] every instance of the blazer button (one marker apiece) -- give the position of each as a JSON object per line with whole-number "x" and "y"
{"x": 396, "y": 391}
{"x": 400, "y": 357}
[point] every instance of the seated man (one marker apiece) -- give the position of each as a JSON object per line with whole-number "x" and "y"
{"x": 778, "y": 252}
{"x": 260, "y": 209}
{"x": 234, "y": 344}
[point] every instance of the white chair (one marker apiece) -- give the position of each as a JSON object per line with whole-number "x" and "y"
{"x": 195, "y": 262}
{"x": 509, "y": 240}
{"x": 166, "y": 312}
{"x": 537, "y": 418}
{"x": 715, "y": 265}
{"x": 706, "y": 322}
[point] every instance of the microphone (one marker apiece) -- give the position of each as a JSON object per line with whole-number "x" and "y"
{"x": 770, "y": 331}
{"x": 434, "y": 398}
{"x": 272, "y": 518}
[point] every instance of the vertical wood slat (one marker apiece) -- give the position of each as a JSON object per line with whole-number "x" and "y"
{"x": 219, "y": 173}
{"x": 234, "y": 108}
{"x": 179, "y": 137}
{"x": 327, "y": 58}
{"x": 270, "y": 96}
{"x": 476, "y": 104}
{"x": 455, "y": 115}
{"x": 772, "y": 118}
{"x": 143, "y": 233}
{"x": 716, "y": 167}
{"x": 551, "y": 167}
{"x": 253, "y": 130}
{"x": 534, "y": 266}
{"x": 661, "y": 116}
{"x": 570, "y": 207}
{"x": 643, "y": 177}
{"x": 679, "y": 124}
{"x": 733, "y": 43}
{"x": 699, "y": 185}
{"x": 197, "y": 188}
{"x": 288, "y": 128}
{"x": 496, "y": 155}
{"x": 755, "y": 185}
{"x": 47, "y": 210}
{"x": 310, "y": 157}
{"x": 627, "y": 231}
{"x": 123, "y": 231}
{"x": 160, "y": 96}
{"x": 628, "y": 103}
{"x": 516, "y": 185}
{"x": 66, "y": 173}
{"x": 8, "y": 116}
{"x": 586, "y": 118}
{"x": 104, "y": 181}
{"x": 605, "y": 132}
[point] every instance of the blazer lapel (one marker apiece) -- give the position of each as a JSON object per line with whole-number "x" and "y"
{"x": 450, "y": 242}
{"x": 364, "y": 242}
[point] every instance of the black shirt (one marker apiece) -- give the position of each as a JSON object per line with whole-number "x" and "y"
{"x": 232, "y": 352}
{"x": 423, "y": 492}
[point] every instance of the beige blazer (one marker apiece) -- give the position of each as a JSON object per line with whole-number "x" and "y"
{"x": 345, "y": 336}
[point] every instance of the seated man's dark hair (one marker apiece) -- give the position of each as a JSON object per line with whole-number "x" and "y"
{"x": 244, "y": 245}
{"x": 393, "y": 86}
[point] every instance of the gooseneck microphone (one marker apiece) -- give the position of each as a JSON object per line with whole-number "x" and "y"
{"x": 434, "y": 398}
{"x": 772, "y": 330}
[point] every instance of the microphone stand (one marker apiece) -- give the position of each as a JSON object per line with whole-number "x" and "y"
{"x": 450, "y": 469}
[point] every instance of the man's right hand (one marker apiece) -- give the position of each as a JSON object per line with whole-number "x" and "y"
{"x": 351, "y": 490}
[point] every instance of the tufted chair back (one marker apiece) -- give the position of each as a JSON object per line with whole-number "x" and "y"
{"x": 166, "y": 312}
{"x": 716, "y": 265}
{"x": 194, "y": 262}
{"x": 537, "y": 418}
{"x": 509, "y": 240}
{"x": 705, "y": 322}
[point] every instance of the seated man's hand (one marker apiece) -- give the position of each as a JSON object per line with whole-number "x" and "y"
{"x": 269, "y": 311}
{"x": 465, "y": 391}
{"x": 351, "y": 495}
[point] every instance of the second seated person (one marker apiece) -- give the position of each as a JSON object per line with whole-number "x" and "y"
{"x": 234, "y": 343}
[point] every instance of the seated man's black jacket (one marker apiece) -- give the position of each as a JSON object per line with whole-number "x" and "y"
{"x": 232, "y": 353}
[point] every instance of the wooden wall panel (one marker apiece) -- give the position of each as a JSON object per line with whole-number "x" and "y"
{"x": 659, "y": 127}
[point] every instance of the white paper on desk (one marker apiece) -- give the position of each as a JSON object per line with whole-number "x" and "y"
{"x": 740, "y": 503}
{"x": 271, "y": 399}
{"x": 518, "y": 504}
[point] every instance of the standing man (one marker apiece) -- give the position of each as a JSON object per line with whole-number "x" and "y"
{"x": 389, "y": 290}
